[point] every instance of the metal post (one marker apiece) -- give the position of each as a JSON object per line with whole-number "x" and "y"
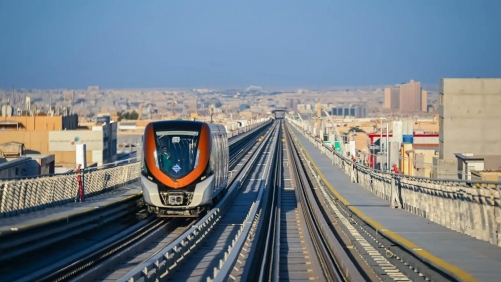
{"x": 373, "y": 150}
{"x": 80, "y": 183}
{"x": 381, "y": 145}
{"x": 387, "y": 148}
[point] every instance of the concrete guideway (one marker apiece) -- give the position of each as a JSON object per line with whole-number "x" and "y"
{"x": 66, "y": 212}
{"x": 30, "y": 232}
{"x": 459, "y": 255}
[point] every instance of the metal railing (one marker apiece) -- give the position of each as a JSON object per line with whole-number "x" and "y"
{"x": 469, "y": 207}
{"x": 24, "y": 195}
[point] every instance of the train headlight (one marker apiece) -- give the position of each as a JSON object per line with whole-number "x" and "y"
{"x": 196, "y": 158}
{"x": 156, "y": 158}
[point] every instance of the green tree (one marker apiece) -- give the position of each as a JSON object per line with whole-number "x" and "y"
{"x": 128, "y": 115}
{"x": 356, "y": 129}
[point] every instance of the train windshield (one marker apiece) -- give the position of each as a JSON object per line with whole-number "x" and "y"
{"x": 177, "y": 152}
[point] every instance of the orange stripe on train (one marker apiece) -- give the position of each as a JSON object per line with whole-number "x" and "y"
{"x": 204, "y": 145}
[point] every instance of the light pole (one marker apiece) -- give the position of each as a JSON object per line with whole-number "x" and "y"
{"x": 381, "y": 151}
{"x": 387, "y": 147}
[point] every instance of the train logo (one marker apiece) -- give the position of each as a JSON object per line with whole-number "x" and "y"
{"x": 176, "y": 168}
{"x": 76, "y": 139}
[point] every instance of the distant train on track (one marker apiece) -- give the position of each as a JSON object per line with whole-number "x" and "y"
{"x": 184, "y": 167}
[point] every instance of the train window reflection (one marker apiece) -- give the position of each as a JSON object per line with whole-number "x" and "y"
{"x": 177, "y": 152}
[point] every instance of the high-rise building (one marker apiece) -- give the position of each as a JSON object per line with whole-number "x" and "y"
{"x": 356, "y": 111}
{"x": 292, "y": 104}
{"x": 468, "y": 121}
{"x": 424, "y": 101}
{"x": 410, "y": 97}
{"x": 391, "y": 98}
{"x": 469, "y": 116}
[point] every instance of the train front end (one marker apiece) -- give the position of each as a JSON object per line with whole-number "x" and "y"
{"x": 175, "y": 170}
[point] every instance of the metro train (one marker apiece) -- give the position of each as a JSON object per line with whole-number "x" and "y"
{"x": 184, "y": 167}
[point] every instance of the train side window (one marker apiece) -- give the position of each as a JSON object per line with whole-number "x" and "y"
{"x": 216, "y": 176}
{"x": 219, "y": 157}
{"x": 214, "y": 149}
{"x": 221, "y": 160}
{"x": 218, "y": 161}
{"x": 212, "y": 159}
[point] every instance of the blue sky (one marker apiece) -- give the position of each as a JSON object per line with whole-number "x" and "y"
{"x": 216, "y": 43}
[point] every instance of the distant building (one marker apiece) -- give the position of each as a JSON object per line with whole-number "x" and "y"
{"x": 292, "y": 104}
{"x": 58, "y": 135}
{"x": 391, "y": 97}
{"x": 101, "y": 143}
{"x": 479, "y": 167}
{"x": 424, "y": 101}
{"x": 93, "y": 89}
{"x": 469, "y": 120}
{"x": 410, "y": 97}
{"x": 355, "y": 111}
{"x": 15, "y": 163}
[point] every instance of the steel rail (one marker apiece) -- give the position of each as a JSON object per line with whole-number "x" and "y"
{"x": 226, "y": 266}
{"x": 268, "y": 269}
{"x": 114, "y": 245}
{"x": 335, "y": 262}
{"x": 329, "y": 266}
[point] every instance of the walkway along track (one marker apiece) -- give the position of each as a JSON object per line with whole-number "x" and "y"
{"x": 212, "y": 244}
{"x": 110, "y": 253}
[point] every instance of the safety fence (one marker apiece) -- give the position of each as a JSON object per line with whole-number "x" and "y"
{"x": 469, "y": 207}
{"x": 30, "y": 194}
{"x": 26, "y": 195}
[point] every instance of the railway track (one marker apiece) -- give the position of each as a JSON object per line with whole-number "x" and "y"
{"x": 286, "y": 254}
{"x": 334, "y": 263}
{"x": 133, "y": 245}
{"x": 208, "y": 244}
{"x": 374, "y": 259}
{"x": 293, "y": 241}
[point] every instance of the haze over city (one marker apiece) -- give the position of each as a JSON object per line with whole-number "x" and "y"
{"x": 224, "y": 44}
